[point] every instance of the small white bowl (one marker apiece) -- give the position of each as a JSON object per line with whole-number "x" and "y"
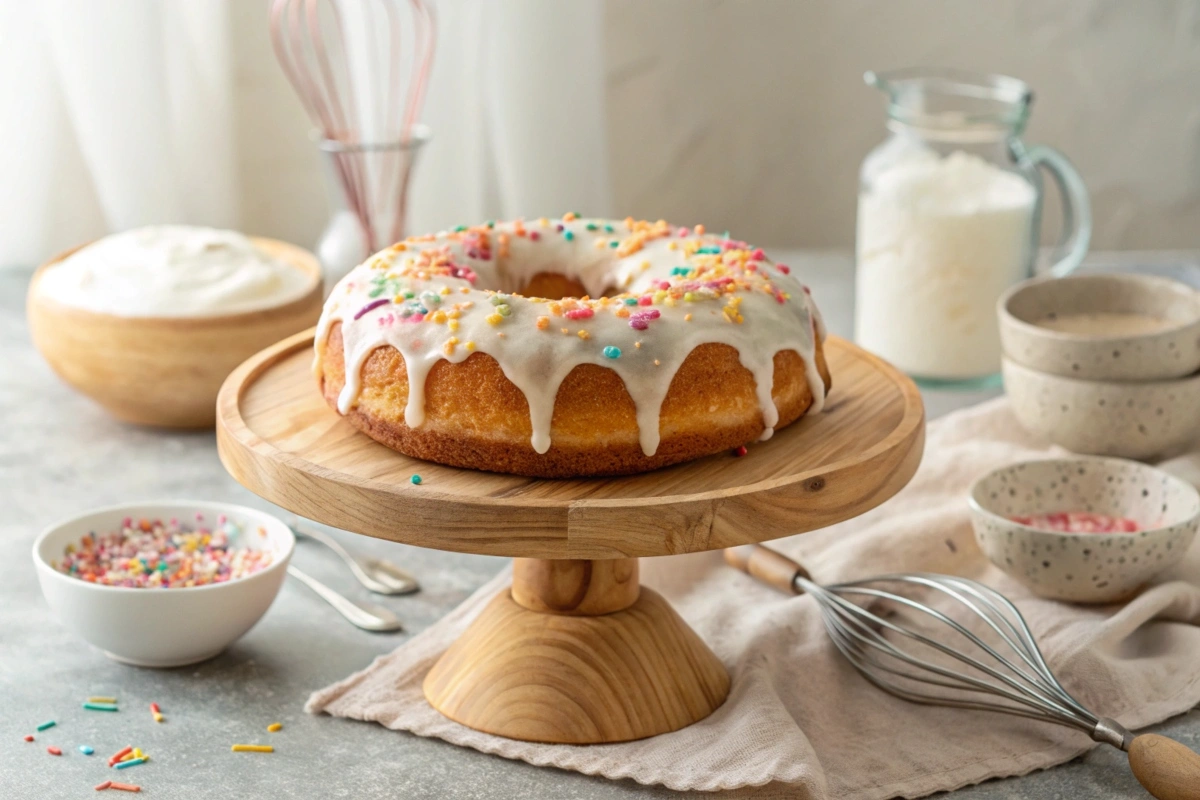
{"x": 1084, "y": 567}
{"x": 162, "y": 627}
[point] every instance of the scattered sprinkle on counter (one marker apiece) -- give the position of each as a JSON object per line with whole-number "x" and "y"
{"x": 100, "y": 787}
{"x": 87, "y": 751}
{"x": 133, "y": 762}
{"x": 102, "y": 700}
{"x": 157, "y": 712}
{"x": 274, "y": 727}
{"x": 252, "y": 748}
{"x": 47, "y": 724}
{"x": 54, "y": 751}
{"x": 29, "y": 737}
{"x": 101, "y": 707}
{"x": 147, "y": 554}
{"x": 124, "y": 787}
{"x": 416, "y": 480}
{"x": 740, "y": 451}
{"x": 117, "y": 756}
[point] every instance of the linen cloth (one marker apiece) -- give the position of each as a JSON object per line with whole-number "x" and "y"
{"x": 797, "y": 712}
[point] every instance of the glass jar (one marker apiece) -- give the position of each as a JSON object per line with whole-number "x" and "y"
{"x": 368, "y": 187}
{"x": 949, "y": 216}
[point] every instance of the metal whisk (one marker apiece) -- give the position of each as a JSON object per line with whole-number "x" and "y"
{"x": 959, "y": 667}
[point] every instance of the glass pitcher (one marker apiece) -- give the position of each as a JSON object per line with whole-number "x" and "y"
{"x": 949, "y": 216}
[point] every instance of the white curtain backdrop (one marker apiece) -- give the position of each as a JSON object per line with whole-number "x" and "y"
{"x": 120, "y": 113}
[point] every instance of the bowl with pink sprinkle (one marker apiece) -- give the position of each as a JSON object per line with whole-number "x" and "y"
{"x": 163, "y": 584}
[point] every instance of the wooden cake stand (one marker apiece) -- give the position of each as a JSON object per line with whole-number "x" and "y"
{"x": 577, "y": 652}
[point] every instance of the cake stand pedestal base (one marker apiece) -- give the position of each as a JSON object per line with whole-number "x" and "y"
{"x": 577, "y": 653}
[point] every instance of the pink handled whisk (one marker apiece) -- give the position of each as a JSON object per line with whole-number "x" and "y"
{"x": 347, "y": 61}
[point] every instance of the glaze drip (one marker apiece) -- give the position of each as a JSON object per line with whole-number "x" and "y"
{"x": 678, "y": 288}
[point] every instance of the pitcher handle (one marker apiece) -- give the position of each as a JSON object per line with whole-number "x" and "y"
{"x": 1077, "y": 208}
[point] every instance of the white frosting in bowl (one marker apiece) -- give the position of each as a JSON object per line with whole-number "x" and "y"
{"x": 173, "y": 271}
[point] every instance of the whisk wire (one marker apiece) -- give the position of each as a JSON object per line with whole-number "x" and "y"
{"x": 885, "y": 645}
{"x": 346, "y": 60}
{"x": 1026, "y": 649}
{"x": 856, "y": 626}
{"x": 1021, "y": 683}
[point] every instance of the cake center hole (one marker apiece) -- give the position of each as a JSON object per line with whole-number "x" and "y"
{"x": 553, "y": 285}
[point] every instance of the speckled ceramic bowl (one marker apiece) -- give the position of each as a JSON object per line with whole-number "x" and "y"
{"x": 1106, "y": 418}
{"x": 1084, "y": 567}
{"x": 1169, "y": 353}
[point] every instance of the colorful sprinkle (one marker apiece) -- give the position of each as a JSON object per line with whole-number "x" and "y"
{"x": 29, "y": 737}
{"x": 117, "y": 756}
{"x": 415, "y": 480}
{"x": 54, "y": 751}
{"x": 100, "y": 707}
{"x": 275, "y": 727}
{"x": 157, "y": 554}
{"x": 612, "y": 352}
{"x": 87, "y": 751}
{"x": 124, "y": 787}
{"x": 253, "y": 748}
{"x": 102, "y": 699}
{"x": 133, "y": 762}
{"x": 157, "y": 712}
{"x": 45, "y": 725}
{"x": 739, "y": 451}
{"x": 100, "y": 787}
{"x": 371, "y": 306}
{"x": 568, "y": 235}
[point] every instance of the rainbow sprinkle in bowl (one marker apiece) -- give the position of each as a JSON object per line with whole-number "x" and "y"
{"x": 163, "y": 584}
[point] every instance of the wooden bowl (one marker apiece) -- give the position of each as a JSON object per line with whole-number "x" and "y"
{"x": 1168, "y": 353}
{"x": 164, "y": 371}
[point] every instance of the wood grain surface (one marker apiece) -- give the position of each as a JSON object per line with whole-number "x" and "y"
{"x": 1168, "y": 769}
{"x": 575, "y": 586}
{"x": 572, "y": 679}
{"x": 277, "y": 437}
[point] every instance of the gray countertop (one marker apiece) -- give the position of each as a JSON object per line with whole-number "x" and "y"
{"x": 61, "y": 455}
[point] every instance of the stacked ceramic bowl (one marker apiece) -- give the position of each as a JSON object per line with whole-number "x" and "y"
{"x": 1104, "y": 364}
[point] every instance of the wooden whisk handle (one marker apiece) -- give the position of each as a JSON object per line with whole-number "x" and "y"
{"x": 769, "y": 566}
{"x": 1169, "y": 770}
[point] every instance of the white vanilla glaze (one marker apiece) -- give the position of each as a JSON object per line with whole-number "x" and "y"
{"x": 173, "y": 271}
{"x": 703, "y": 288}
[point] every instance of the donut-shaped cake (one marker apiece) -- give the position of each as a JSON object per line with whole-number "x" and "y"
{"x": 571, "y": 347}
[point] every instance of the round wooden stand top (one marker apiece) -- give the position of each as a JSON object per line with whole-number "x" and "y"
{"x": 277, "y": 437}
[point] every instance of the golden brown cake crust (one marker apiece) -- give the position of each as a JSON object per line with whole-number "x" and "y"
{"x": 476, "y": 418}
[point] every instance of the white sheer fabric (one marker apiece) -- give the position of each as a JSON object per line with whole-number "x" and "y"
{"x": 119, "y": 114}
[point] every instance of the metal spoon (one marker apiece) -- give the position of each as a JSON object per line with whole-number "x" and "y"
{"x": 367, "y": 616}
{"x": 377, "y": 574}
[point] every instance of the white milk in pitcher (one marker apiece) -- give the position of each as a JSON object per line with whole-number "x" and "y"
{"x": 939, "y": 240}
